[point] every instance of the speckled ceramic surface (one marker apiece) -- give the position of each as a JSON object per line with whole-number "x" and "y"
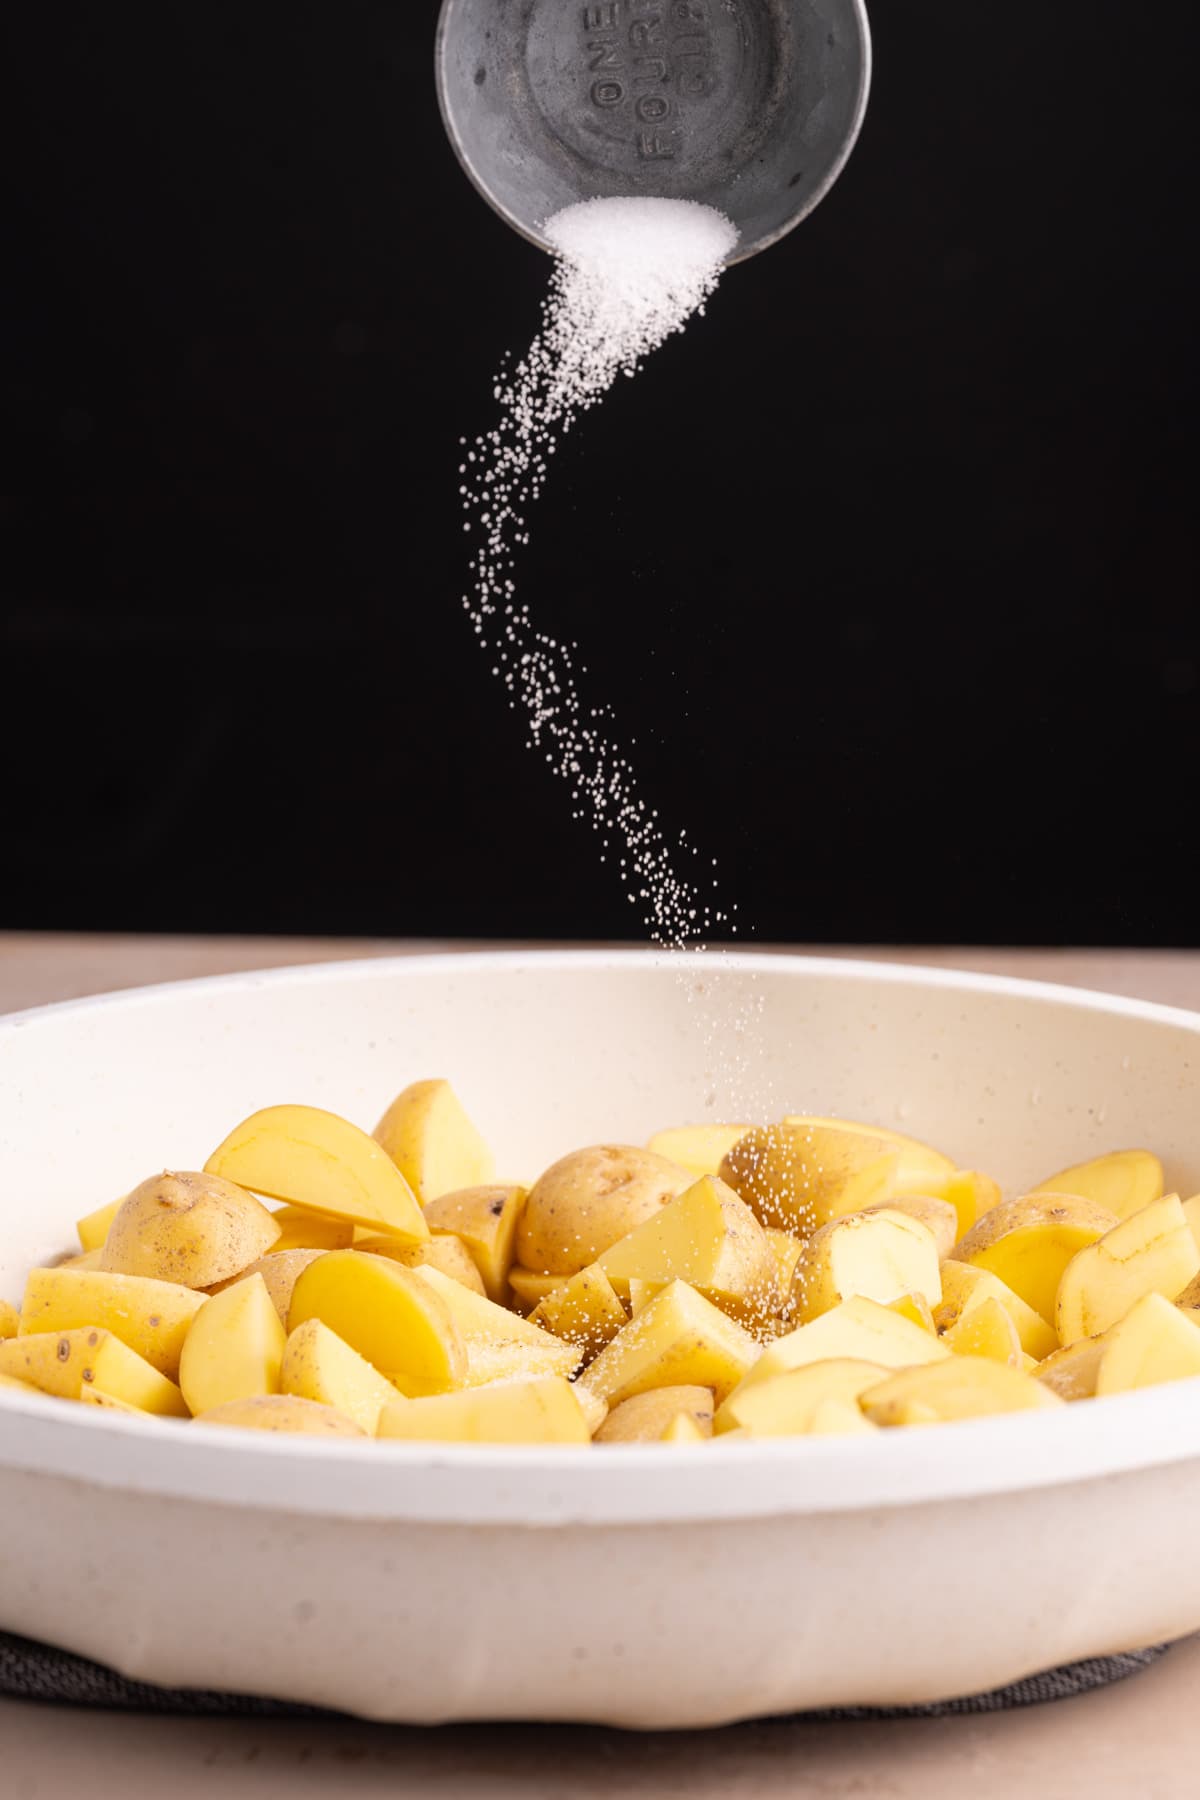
{"x": 644, "y": 1586}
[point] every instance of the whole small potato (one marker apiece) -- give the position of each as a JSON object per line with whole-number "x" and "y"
{"x": 588, "y": 1200}
{"x": 194, "y": 1229}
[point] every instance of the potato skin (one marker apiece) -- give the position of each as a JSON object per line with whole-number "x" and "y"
{"x": 589, "y": 1199}
{"x": 193, "y": 1229}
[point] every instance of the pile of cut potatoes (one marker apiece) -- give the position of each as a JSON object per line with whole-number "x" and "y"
{"x": 809, "y": 1277}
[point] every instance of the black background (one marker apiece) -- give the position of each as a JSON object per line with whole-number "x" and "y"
{"x": 888, "y": 563}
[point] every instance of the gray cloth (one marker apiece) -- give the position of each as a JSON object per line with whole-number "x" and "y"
{"x": 30, "y": 1671}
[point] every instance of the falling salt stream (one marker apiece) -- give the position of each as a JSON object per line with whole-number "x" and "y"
{"x": 627, "y": 275}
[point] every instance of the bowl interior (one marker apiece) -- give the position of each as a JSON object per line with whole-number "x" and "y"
{"x": 751, "y": 106}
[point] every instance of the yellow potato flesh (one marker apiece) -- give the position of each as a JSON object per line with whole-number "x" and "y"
{"x": 700, "y": 1148}
{"x": 152, "y": 1317}
{"x": 303, "y": 1230}
{"x": 586, "y": 1313}
{"x": 1152, "y": 1252}
{"x": 962, "y": 1387}
{"x": 643, "y": 1418}
{"x": 1072, "y": 1372}
{"x": 16, "y": 1385}
{"x": 939, "y": 1217}
{"x": 785, "y": 1248}
{"x": 530, "y": 1289}
{"x": 587, "y": 1200}
{"x": 93, "y": 1229}
{"x": 234, "y": 1348}
{"x": 445, "y": 1254}
{"x": 188, "y": 1227}
{"x": 914, "y": 1307}
{"x": 784, "y": 1406}
{"x": 64, "y": 1362}
{"x": 9, "y": 1320}
{"x": 280, "y": 1272}
{"x": 1029, "y": 1242}
{"x": 877, "y": 1255}
{"x": 319, "y": 1365}
{"x": 683, "y": 1429}
{"x": 707, "y": 1237}
{"x": 858, "y": 1329}
{"x": 986, "y": 1330}
{"x": 839, "y": 1418}
{"x": 799, "y": 1175}
{"x": 965, "y": 1286}
{"x": 497, "y": 1342}
{"x": 1153, "y": 1343}
{"x": 969, "y": 1192}
{"x": 485, "y": 1219}
{"x": 1123, "y": 1182}
{"x": 542, "y": 1411}
{"x": 679, "y": 1339}
{"x": 432, "y": 1142}
{"x": 322, "y": 1163}
{"x": 283, "y": 1412}
{"x": 391, "y": 1315}
{"x": 86, "y": 1259}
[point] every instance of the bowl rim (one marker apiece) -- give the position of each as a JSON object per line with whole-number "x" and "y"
{"x": 538, "y": 1486}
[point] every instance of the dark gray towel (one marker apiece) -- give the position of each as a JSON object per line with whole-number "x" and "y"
{"x": 30, "y": 1671}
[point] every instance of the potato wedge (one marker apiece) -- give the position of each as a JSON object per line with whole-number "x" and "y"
{"x": 392, "y": 1316}
{"x": 94, "y": 1396}
{"x": 700, "y": 1148}
{"x": 152, "y": 1317}
{"x": 498, "y": 1344}
{"x": 707, "y": 1237}
{"x": 9, "y": 1320}
{"x": 643, "y": 1418}
{"x": 986, "y": 1330}
{"x": 234, "y": 1348}
{"x": 678, "y": 1340}
{"x": 858, "y": 1329}
{"x": 542, "y": 1411}
{"x": 586, "y": 1201}
{"x": 879, "y": 1255}
{"x": 1123, "y": 1182}
{"x": 1029, "y": 1242}
{"x": 93, "y": 1229}
{"x": 194, "y": 1229}
{"x": 1072, "y": 1372}
{"x": 64, "y": 1362}
{"x": 915, "y": 1307}
{"x": 784, "y": 1406}
{"x": 1154, "y": 1342}
{"x": 962, "y": 1387}
{"x": 1153, "y": 1251}
{"x": 529, "y": 1289}
{"x": 315, "y": 1160}
{"x": 965, "y": 1286}
{"x": 432, "y": 1142}
{"x": 319, "y": 1365}
{"x": 280, "y": 1271}
{"x": 786, "y": 1250}
{"x": 586, "y": 1313}
{"x": 799, "y": 1175}
{"x": 683, "y": 1429}
{"x": 939, "y": 1217}
{"x": 300, "y": 1229}
{"x": 283, "y": 1412}
{"x": 839, "y": 1418}
{"x": 442, "y": 1252}
{"x": 485, "y": 1219}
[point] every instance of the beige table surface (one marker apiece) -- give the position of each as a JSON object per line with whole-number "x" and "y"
{"x": 1139, "y": 1740}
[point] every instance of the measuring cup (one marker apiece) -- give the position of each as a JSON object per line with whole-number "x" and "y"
{"x": 751, "y": 106}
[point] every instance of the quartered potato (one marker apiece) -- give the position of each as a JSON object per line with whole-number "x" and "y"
{"x": 1153, "y": 1251}
{"x": 484, "y": 1220}
{"x": 1122, "y": 1182}
{"x": 1029, "y": 1242}
{"x": 644, "y": 1418}
{"x": 587, "y": 1200}
{"x": 193, "y": 1229}
{"x": 432, "y": 1141}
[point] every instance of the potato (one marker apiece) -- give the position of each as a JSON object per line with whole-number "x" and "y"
{"x": 962, "y": 1387}
{"x": 280, "y": 1271}
{"x": 303, "y": 1230}
{"x": 878, "y": 1255}
{"x": 319, "y": 1365}
{"x": 15, "y": 1385}
{"x": 193, "y": 1229}
{"x": 93, "y": 1396}
{"x": 586, "y": 1314}
{"x": 529, "y": 1290}
{"x": 965, "y": 1286}
{"x": 485, "y": 1220}
{"x": 643, "y": 1418}
{"x": 986, "y": 1330}
{"x": 679, "y": 1340}
{"x": 1072, "y": 1371}
{"x": 785, "y": 1248}
{"x": 542, "y": 1411}
{"x": 799, "y": 1175}
{"x": 152, "y": 1317}
{"x": 1029, "y": 1242}
{"x": 859, "y": 1329}
{"x": 315, "y": 1160}
{"x": 497, "y": 1343}
{"x": 939, "y": 1217}
{"x": 586, "y": 1201}
{"x": 1122, "y": 1182}
{"x": 707, "y": 1237}
{"x": 784, "y": 1406}
{"x": 1154, "y": 1342}
{"x": 94, "y": 1228}
{"x": 234, "y": 1348}
{"x": 700, "y": 1148}
{"x": 432, "y": 1142}
{"x": 389, "y": 1314}
{"x": 683, "y": 1429}
{"x": 283, "y": 1412}
{"x": 86, "y": 1259}
{"x": 839, "y": 1418}
{"x": 1190, "y": 1296}
{"x": 1151, "y": 1252}
{"x": 444, "y": 1253}
{"x": 915, "y": 1307}
{"x": 9, "y": 1320}
{"x": 64, "y": 1362}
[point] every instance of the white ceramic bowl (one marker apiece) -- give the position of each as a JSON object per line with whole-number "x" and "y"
{"x": 640, "y": 1586}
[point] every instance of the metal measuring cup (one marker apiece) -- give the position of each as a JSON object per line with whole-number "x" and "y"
{"x": 751, "y": 106}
